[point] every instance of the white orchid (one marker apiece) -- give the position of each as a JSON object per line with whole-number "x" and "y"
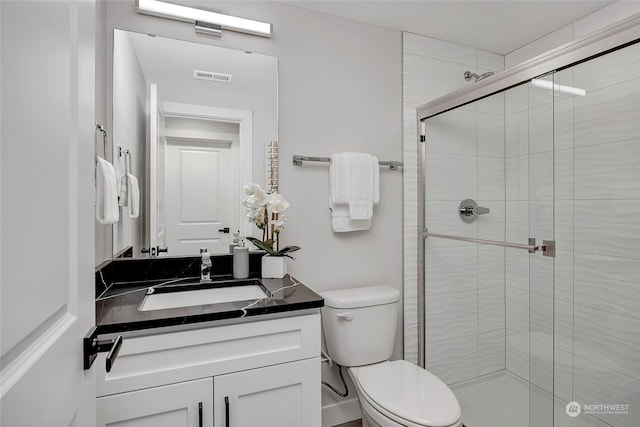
{"x": 266, "y": 211}
{"x": 277, "y": 203}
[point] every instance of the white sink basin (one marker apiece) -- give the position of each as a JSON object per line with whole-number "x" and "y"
{"x": 161, "y": 301}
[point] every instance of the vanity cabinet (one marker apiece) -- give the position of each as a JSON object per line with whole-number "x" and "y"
{"x": 259, "y": 373}
{"x": 176, "y": 405}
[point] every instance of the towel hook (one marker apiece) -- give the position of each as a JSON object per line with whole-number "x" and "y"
{"x": 104, "y": 137}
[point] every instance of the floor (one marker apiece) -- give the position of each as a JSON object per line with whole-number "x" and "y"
{"x": 355, "y": 423}
{"x": 504, "y": 399}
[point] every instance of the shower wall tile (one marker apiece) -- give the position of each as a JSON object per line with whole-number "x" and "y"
{"x": 541, "y": 319}
{"x": 493, "y": 104}
{"x": 454, "y": 360}
{"x": 541, "y": 275}
{"x": 608, "y": 171}
{"x": 490, "y": 129}
{"x": 438, "y": 49}
{"x": 432, "y": 68}
{"x": 517, "y": 269}
{"x": 563, "y": 174}
{"x": 619, "y": 121}
{"x": 517, "y": 134}
{"x": 608, "y": 283}
{"x": 541, "y": 220}
{"x": 606, "y": 227}
{"x": 517, "y": 221}
{"x": 594, "y": 383}
{"x": 563, "y": 326}
{"x": 453, "y": 132}
{"x": 518, "y": 311}
{"x": 518, "y": 354}
{"x": 541, "y": 365}
{"x": 517, "y": 178}
{"x": 607, "y": 339}
{"x": 409, "y": 117}
{"x": 438, "y": 78}
{"x": 491, "y": 178}
{"x": 451, "y": 270}
{"x": 563, "y": 269}
{"x": 451, "y": 177}
{"x": 516, "y": 99}
{"x": 491, "y": 306}
{"x": 541, "y": 128}
{"x": 614, "y": 68}
{"x": 541, "y": 176}
{"x": 563, "y": 375}
{"x": 563, "y": 124}
{"x": 491, "y": 265}
{"x": 491, "y": 225}
{"x": 491, "y": 352}
{"x": 452, "y": 315}
{"x": 563, "y": 217}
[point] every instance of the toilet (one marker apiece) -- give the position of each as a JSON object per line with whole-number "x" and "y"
{"x": 360, "y": 326}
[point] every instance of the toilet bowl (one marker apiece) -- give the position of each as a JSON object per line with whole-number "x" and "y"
{"x": 359, "y": 326}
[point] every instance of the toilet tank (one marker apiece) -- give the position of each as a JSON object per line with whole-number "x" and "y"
{"x": 360, "y": 324}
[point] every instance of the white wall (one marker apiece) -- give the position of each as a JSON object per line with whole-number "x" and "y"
{"x": 433, "y": 68}
{"x": 129, "y": 130}
{"x": 340, "y": 89}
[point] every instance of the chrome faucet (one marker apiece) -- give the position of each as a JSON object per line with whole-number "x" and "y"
{"x": 205, "y": 266}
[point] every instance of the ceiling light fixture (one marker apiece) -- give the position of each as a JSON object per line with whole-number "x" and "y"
{"x": 546, "y": 84}
{"x": 190, "y": 14}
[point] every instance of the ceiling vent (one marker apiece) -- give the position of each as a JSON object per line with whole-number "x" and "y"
{"x": 211, "y": 76}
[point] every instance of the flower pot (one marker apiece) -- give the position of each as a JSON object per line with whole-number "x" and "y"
{"x": 274, "y": 267}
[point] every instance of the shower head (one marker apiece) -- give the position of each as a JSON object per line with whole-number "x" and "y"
{"x": 468, "y": 75}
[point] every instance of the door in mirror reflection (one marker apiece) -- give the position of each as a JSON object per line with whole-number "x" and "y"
{"x": 199, "y": 182}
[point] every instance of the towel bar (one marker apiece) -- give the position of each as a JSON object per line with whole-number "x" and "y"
{"x": 298, "y": 160}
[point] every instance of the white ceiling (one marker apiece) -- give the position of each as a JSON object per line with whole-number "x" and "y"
{"x": 496, "y": 26}
{"x": 171, "y": 62}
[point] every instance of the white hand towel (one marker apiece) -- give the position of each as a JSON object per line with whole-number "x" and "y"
{"x": 339, "y": 170}
{"x": 340, "y": 188}
{"x": 361, "y": 186}
{"x": 133, "y": 196}
{"x": 123, "y": 194}
{"x": 107, "y": 211}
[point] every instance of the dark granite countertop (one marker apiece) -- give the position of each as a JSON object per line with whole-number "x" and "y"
{"x": 117, "y": 307}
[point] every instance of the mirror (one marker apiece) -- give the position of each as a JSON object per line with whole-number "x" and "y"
{"x": 192, "y": 123}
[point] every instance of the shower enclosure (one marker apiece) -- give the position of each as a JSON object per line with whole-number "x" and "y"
{"x": 530, "y": 248}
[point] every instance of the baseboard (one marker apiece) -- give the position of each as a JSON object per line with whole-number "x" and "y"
{"x": 342, "y": 412}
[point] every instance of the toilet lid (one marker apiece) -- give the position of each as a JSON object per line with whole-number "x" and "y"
{"x": 410, "y": 393}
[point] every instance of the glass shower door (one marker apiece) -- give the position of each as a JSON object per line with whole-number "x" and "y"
{"x": 488, "y": 189}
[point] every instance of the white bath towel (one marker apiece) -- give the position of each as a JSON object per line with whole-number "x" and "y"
{"x": 362, "y": 186}
{"x": 353, "y": 189}
{"x": 107, "y": 211}
{"x": 133, "y": 196}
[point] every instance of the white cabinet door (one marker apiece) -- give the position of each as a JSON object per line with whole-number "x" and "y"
{"x": 286, "y": 395}
{"x": 187, "y": 404}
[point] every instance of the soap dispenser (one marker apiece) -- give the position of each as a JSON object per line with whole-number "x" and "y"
{"x": 240, "y": 260}
{"x": 235, "y": 242}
